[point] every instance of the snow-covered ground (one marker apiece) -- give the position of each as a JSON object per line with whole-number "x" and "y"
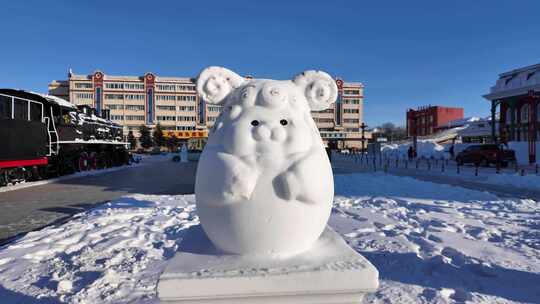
{"x": 432, "y": 243}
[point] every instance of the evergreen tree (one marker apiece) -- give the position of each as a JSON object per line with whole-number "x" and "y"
{"x": 145, "y": 139}
{"x": 172, "y": 142}
{"x": 159, "y": 139}
{"x": 132, "y": 140}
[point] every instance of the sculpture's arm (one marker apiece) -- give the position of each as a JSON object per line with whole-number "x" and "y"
{"x": 240, "y": 177}
{"x": 305, "y": 177}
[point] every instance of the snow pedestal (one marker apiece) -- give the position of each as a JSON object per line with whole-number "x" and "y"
{"x": 330, "y": 272}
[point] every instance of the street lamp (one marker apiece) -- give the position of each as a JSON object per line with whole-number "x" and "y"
{"x": 363, "y": 126}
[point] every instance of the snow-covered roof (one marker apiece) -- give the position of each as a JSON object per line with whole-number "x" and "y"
{"x": 516, "y": 82}
{"x": 477, "y": 128}
{"x": 461, "y": 122}
{"x": 57, "y": 100}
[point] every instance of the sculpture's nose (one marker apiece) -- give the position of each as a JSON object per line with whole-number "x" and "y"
{"x": 261, "y": 132}
{"x": 265, "y": 132}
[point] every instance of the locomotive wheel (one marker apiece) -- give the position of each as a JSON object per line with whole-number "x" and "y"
{"x": 93, "y": 161}
{"x": 4, "y": 178}
{"x": 83, "y": 162}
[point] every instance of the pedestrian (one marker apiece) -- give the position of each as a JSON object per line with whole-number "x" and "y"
{"x": 451, "y": 151}
{"x": 410, "y": 153}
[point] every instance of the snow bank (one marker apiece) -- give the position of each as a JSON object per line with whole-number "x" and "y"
{"x": 427, "y": 149}
{"x": 431, "y": 243}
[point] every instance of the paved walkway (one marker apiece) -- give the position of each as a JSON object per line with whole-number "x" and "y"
{"x": 31, "y": 208}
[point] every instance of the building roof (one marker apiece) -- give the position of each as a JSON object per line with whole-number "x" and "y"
{"x": 73, "y": 76}
{"x": 516, "y": 82}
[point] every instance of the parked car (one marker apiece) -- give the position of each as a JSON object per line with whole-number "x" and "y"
{"x": 484, "y": 155}
{"x": 155, "y": 151}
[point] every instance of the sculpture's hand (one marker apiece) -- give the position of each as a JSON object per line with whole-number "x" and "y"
{"x": 240, "y": 178}
{"x": 298, "y": 181}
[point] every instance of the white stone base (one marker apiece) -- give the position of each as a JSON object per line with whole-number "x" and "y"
{"x": 331, "y": 272}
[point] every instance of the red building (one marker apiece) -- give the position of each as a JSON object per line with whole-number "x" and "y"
{"x": 515, "y": 97}
{"x": 425, "y": 120}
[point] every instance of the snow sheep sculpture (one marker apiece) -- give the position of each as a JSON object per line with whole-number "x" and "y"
{"x": 264, "y": 183}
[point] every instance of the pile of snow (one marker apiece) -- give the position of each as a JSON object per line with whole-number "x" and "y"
{"x": 425, "y": 148}
{"x": 431, "y": 244}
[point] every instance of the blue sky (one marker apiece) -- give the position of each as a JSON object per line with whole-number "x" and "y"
{"x": 407, "y": 53}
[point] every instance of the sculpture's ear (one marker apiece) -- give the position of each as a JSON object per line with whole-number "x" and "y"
{"x": 318, "y": 87}
{"x": 215, "y": 83}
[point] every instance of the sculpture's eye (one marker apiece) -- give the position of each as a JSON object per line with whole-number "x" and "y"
{"x": 255, "y": 123}
{"x": 283, "y": 122}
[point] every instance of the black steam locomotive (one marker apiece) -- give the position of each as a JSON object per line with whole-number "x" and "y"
{"x": 42, "y": 136}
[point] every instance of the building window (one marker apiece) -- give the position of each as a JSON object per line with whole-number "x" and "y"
{"x": 134, "y": 97}
{"x": 98, "y": 100}
{"x": 84, "y": 95}
{"x": 165, "y": 87}
{"x": 186, "y": 118}
{"x": 187, "y": 98}
{"x": 114, "y": 96}
{"x": 353, "y": 111}
{"x": 351, "y": 101}
{"x": 185, "y": 128}
{"x": 166, "y": 97}
{"x": 166, "y": 108}
{"x": 135, "y": 107}
{"x": 134, "y": 117}
{"x": 186, "y": 108}
{"x": 525, "y": 113}
{"x": 83, "y": 85}
{"x": 324, "y": 120}
{"x": 166, "y": 118}
{"x": 117, "y": 117}
{"x": 351, "y": 92}
{"x": 150, "y": 106}
{"x": 214, "y": 108}
{"x": 351, "y": 120}
{"x": 114, "y": 85}
{"x": 134, "y": 86}
{"x": 186, "y": 88}
{"x": 115, "y": 107}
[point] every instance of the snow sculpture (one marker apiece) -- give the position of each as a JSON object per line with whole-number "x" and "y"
{"x": 184, "y": 154}
{"x": 264, "y": 183}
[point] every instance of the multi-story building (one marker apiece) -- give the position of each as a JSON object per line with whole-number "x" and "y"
{"x": 174, "y": 104}
{"x": 515, "y": 105}
{"x": 426, "y": 120}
